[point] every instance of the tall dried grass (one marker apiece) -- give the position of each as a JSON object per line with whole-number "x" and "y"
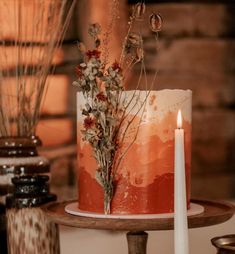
{"x": 30, "y": 33}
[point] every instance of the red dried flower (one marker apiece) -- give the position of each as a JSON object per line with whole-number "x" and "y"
{"x": 93, "y": 53}
{"x": 116, "y": 66}
{"x": 89, "y": 122}
{"x": 100, "y": 96}
{"x": 78, "y": 71}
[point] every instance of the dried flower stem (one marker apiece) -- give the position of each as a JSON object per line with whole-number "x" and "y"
{"x": 107, "y": 108}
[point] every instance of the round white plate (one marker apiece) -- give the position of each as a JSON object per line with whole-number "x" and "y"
{"x": 72, "y": 208}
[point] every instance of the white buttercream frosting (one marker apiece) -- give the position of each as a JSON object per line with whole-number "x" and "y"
{"x": 158, "y": 103}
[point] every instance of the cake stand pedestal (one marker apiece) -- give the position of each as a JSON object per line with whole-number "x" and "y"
{"x": 214, "y": 213}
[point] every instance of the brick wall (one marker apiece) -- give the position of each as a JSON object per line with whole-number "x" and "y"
{"x": 197, "y": 52}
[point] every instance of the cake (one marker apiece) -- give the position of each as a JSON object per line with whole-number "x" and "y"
{"x": 144, "y": 182}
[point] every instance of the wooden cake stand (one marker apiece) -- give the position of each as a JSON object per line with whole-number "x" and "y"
{"x": 214, "y": 213}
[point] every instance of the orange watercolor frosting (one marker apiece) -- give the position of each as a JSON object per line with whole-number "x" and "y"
{"x": 144, "y": 182}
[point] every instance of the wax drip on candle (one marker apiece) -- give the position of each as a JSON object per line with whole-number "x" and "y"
{"x": 179, "y": 120}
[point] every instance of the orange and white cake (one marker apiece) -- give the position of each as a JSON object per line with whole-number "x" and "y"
{"x": 144, "y": 182}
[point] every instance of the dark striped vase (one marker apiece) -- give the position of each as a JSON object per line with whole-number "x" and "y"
{"x": 24, "y": 188}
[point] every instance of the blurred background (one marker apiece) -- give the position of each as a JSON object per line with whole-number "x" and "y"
{"x": 196, "y": 51}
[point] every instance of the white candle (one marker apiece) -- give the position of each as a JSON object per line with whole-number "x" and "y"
{"x": 180, "y": 202}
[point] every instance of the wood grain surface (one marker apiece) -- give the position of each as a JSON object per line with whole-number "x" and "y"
{"x": 214, "y": 213}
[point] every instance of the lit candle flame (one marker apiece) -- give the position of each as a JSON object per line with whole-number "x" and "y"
{"x": 179, "y": 120}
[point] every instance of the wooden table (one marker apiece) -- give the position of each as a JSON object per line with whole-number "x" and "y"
{"x": 214, "y": 213}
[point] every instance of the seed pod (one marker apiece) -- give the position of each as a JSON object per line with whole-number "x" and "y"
{"x": 134, "y": 40}
{"x": 139, "y": 10}
{"x": 94, "y": 30}
{"x": 139, "y": 54}
{"x": 81, "y": 47}
{"x": 97, "y": 43}
{"x": 155, "y": 21}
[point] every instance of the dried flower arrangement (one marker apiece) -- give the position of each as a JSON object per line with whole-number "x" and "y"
{"x": 107, "y": 111}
